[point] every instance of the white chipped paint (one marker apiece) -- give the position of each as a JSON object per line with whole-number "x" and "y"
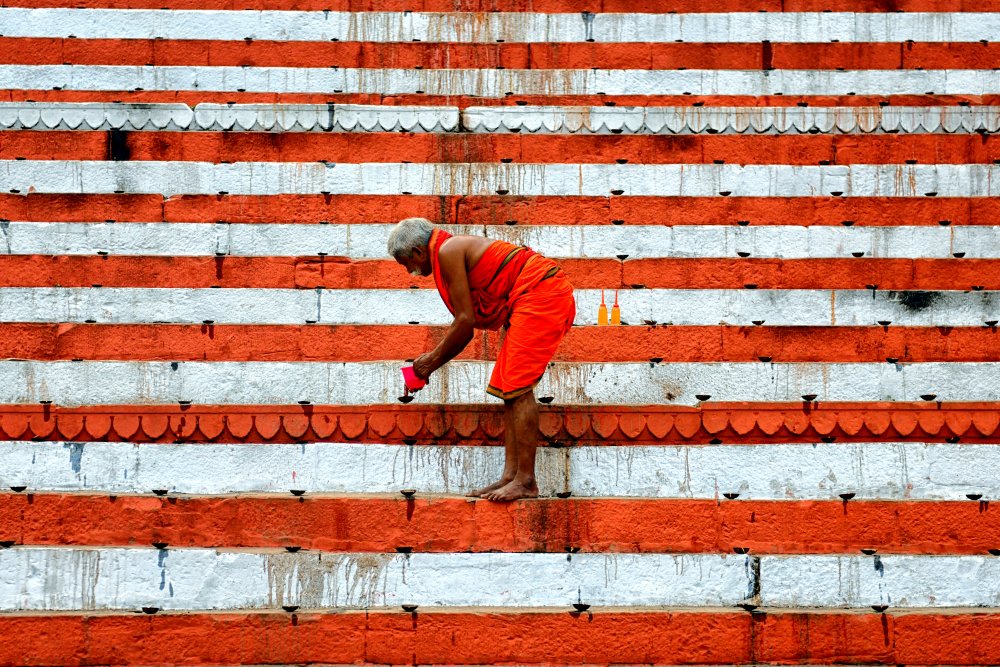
{"x": 497, "y": 83}
{"x": 728, "y": 120}
{"x": 901, "y": 582}
{"x": 369, "y": 241}
{"x": 204, "y": 579}
{"x": 661, "y": 180}
{"x": 738, "y": 27}
{"x": 153, "y": 382}
{"x": 872, "y": 471}
{"x": 698, "y": 307}
{"x": 503, "y": 118}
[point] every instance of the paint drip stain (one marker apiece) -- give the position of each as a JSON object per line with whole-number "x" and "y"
{"x": 324, "y": 580}
{"x": 588, "y": 25}
{"x": 5, "y": 229}
{"x": 75, "y": 455}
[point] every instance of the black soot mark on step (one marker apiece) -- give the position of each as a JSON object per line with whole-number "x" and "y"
{"x": 162, "y": 564}
{"x": 766, "y": 56}
{"x": 118, "y": 149}
{"x": 915, "y": 300}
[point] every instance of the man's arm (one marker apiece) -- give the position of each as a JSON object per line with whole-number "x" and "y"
{"x": 452, "y": 259}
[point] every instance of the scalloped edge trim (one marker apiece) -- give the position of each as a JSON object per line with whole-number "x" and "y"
{"x": 493, "y": 119}
{"x": 464, "y": 424}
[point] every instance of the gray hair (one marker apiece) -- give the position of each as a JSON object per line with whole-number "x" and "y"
{"x": 408, "y": 235}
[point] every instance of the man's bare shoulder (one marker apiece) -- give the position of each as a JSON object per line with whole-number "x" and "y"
{"x": 463, "y": 245}
{"x": 463, "y": 251}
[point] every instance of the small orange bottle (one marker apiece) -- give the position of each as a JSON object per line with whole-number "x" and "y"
{"x": 602, "y": 313}
{"x": 616, "y": 313}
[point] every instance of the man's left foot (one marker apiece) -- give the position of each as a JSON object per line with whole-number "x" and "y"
{"x": 513, "y": 490}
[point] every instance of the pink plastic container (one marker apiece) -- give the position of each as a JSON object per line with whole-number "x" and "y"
{"x": 413, "y": 383}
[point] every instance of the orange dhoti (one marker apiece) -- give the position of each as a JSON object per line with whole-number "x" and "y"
{"x": 526, "y": 294}
{"x": 538, "y": 321}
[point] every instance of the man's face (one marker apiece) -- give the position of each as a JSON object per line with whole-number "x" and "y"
{"x": 418, "y": 263}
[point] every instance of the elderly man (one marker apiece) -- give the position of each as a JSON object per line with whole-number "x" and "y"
{"x": 488, "y": 285}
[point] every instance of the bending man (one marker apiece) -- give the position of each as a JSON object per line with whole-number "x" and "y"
{"x": 488, "y": 285}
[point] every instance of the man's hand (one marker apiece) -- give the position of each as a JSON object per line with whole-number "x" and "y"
{"x": 424, "y": 366}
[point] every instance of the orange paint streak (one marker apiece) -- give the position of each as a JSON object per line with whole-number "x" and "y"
{"x": 351, "y": 343}
{"x": 498, "y": 210}
{"x": 543, "y": 55}
{"x": 732, "y": 423}
{"x": 601, "y": 637}
{"x": 342, "y": 273}
{"x": 380, "y": 524}
{"x": 338, "y": 147}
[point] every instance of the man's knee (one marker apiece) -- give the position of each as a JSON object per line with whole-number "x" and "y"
{"x": 524, "y": 399}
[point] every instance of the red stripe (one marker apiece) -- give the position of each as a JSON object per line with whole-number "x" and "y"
{"x": 216, "y": 342}
{"x": 547, "y": 55}
{"x": 430, "y": 525}
{"x": 192, "y": 97}
{"x": 600, "y": 637}
{"x": 463, "y": 147}
{"x": 541, "y": 6}
{"x": 340, "y": 273}
{"x": 493, "y": 210}
{"x": 732, "y": 423}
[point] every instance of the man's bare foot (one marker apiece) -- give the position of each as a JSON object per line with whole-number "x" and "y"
{"x": 503, "y": 481}
{"x": 514, "y": 490}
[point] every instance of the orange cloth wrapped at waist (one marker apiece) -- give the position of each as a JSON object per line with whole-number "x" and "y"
{"x": 503, "y": 274}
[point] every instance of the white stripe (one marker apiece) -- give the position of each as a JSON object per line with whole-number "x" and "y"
{"x": 194, "y": 579}
{"x": 531, "y": 119}
{"x": 369, "y": 241}
{"x": 872, "y": 471}
{"x": 497, "y": 83}
{"x": 897, "y": 471}
{"x": 126, "y": 382}
{"x": 735, "y": 27}
{"x": 663, "y": 180}
{"x": 695, "y": 307}
{"x": 37, "y": 578}
{"x": 897, "y": 581}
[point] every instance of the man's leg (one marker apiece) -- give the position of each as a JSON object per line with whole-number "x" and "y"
{"x": 522, "y": 414}
{"x": 538, "y": 323}
{"x": 509, "y": 454}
